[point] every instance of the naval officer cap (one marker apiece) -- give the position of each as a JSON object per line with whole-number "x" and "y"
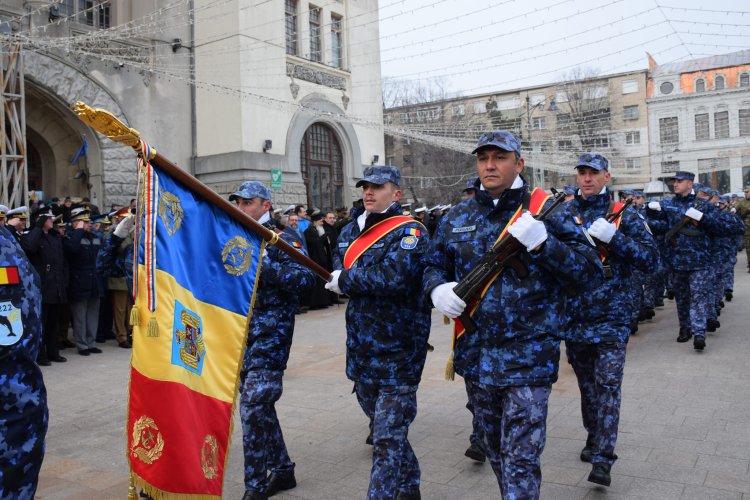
{"x": 380, "y": 174}
{"x": 3, "y": 211}
{"x": 20, "y": 212}
{"x": 251, "y": 189}
{"x": 80, "y": 213}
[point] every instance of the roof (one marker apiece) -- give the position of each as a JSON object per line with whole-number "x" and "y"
{"x": 704, "y": 63}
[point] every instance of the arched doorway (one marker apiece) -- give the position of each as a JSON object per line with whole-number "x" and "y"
{"x": 322, "y": 167}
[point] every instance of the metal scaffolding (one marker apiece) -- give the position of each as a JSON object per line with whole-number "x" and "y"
{"x": 13, "y": 172}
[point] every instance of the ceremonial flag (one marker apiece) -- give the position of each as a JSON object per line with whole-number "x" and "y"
{"x": 197, "y": 269}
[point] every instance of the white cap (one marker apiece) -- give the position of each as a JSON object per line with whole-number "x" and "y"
{"x": 420, "y": 210}
{"x": 3, "y": 210}
{"x": 17, "y": 212}
{"x": 288, "y": 209}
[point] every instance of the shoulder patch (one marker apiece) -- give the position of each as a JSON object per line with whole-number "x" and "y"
{"x": 409, "y": 242}
{"x": 411, "y": 231}
{"x": 464, "y": 229}
{"x": 577, "y": 220}
{"x": 11, "y": 328}
{"x": 343, "y": 244}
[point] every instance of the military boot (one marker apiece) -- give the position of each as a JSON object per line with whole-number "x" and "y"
{"x": 254, "y": 495}
{"x": 699, "y": 343}
{"x": 684, "y": 335}
{"x": 476, "y": 453}
{"x": 729, "y": 295}
{"x": 712, "y": 325}
{"x": 670, "y": 294}
{"x": 600, "y": 474}
{"x": 402, "y": 495}
{"x": 280, "y": 481}
{"x": 587, "y": 450}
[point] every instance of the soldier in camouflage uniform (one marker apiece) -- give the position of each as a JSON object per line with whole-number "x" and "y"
{"x": 597, "y": 334}
{"x": 23, "y": 397}
{"x": 689, "y": 252}
{"x": 269, "y": 339}
{"x": 510, "y": 362}
{"x": 387, "y": 326}
{"x": 743, "y": 210}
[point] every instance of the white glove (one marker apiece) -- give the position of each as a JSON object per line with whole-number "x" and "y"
{"x": 529, "y": 231}
{"x": 333, "y": 285}
{"x": 654, "y": 205}
{"x": 694, "y": 214}
{"x": 732, "y": 210}
{"x": 602, "y": 230}
{"x": 124, "y": 227}
{"x": 446, "y": 301}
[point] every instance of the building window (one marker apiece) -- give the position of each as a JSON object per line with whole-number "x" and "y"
{"x": 744, "y": 80}
{"x": 565, "y": 145}
{"x": 429, "y": 114}
{"x": 670, "y": 166}
{"x": 480, "y": 107}
{"x": 404, "y": 117}
{"x": 536, "y": 99}
{"x": 702, "y": 132}
{"x": 561, "y": 96}
{"x": 721, "y": 125}
{"x": 315, "y": 52}
{"x": 669, "y": 130}
{"x": 290, "y": 21}
{"x": 97, "y": 13}
{"x": 539, "y": 122}
{"x": 336, "y": 42}
{"x": 744, "y": 122}
{"x": 629, "y": 86}
{"x": 632, "y": 138}
{"x": 458, "y": 110}
{"x": 700, "y": 85}
{"x": 632, "y": 163}
{"x": 719, "y": 83}
{"x": 595, "y": 142}
{"x": 630, "y": 112}
{"x": 564, "y": 121}
{"x": 666, "y": 88}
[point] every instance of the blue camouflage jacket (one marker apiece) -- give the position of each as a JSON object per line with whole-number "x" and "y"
{"x": 691, "y": 248}
{"x": 515, "y": 342}
{"x": 387, "y": 317}
{"x": 726, "y": 245}
{"x": 115, "y": 259}
{"x": 282, "y": 281}
{"x": 602, "y": 312}
{"x": 23, "y": 397}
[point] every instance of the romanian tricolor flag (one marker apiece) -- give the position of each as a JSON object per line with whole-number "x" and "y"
{"x": 197, "y": 270}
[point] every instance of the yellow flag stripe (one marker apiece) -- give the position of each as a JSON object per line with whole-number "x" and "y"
{"x": 152, "y": 356}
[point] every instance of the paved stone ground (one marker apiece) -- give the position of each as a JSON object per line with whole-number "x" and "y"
{"x": 685, "y": 427}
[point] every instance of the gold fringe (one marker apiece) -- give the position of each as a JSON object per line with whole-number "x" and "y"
{"x": 450, "y": 371}
{"x": 132, "y": 493}
{"x": 158, "y": 494}
{"x": 134, "y": 315}
{"x": 446, "y": 320}
{"x": 152, "y": 330}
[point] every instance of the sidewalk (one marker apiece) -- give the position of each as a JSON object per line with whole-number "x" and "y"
{"x": 684, "y": 430}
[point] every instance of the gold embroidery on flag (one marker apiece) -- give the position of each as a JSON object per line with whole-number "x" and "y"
{"x": 170, "y": 211}
{"x": 237, "y": 256}
{"x": 192, "y": 347}
{"x": 146, "y": 445}
{"x": 210, "y": 457}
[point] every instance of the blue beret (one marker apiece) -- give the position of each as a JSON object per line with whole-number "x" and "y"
{"x": 500, "y": 139}
{"x": 380, "y": 174}
{"x": 682, "y": 175}
{"x": 593, "y": 160}
{"x": 251, "y": 189}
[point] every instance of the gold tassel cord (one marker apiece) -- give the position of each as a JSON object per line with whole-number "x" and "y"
{"x": 134, "y": 316}
{"x": 446, "y": 320}
{"x": 152, "y": 330}
{"x": 450, "y": 371}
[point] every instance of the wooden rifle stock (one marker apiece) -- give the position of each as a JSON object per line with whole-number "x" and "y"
{"x": 503, "y": 253}
{"x": 611, "y": 217}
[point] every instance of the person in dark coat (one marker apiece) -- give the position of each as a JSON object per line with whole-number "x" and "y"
{"x": 84, "y": 290}
{"x": 44, "y": 247}
{"x": 332, "y": 235}
{"x": 319, "y": 249}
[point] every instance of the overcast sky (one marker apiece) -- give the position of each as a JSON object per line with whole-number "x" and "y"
{"x": 482, "y": 46}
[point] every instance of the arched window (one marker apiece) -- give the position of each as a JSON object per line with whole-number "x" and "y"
{"x": 700, "y": 85}
{"x": 744, "y": 80}
{"x": 719, "y": 83}
{"x": 322, "y": 166}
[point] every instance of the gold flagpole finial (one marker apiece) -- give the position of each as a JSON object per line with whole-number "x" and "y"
{"x": 106, "y": 123}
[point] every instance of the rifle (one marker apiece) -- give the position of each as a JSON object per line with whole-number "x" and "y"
{"x": 503, "y": 253}
{"x": 611, "y": 217}
{"x": 669, "y": 237}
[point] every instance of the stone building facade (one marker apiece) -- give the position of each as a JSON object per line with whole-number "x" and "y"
{"x": 699, "y": 119}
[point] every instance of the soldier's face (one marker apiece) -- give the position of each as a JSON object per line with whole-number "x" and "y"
{"x": 497, "y": 169}
{"x": 683, "y": 186}
{"x": 378, "y": 197}
{"x": 591, "y": 181}
{"x": 254, "y": 207}
{"x": 747, "y": 195}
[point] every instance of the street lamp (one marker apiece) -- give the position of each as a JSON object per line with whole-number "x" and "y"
{"x": 538, "y": 178}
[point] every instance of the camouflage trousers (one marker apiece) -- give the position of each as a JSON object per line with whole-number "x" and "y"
{"x": 394, "y": 466}
{"x": 728, "y": 273}
{"x": 692, "y": 294}
{"x": 653, "y": 287}
{"x": 262, "y": 441}
{"x": 599, "y": 369}
{"x": 477, "y": 437}
{"x": 514, "y": 422}
{"x": 23, "y": 427}
{"x": 636, "y": 294}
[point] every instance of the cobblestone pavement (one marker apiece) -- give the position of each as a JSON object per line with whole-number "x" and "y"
{"x": 685, "y": 426}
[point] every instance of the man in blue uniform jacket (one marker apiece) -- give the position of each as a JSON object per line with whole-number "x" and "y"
{"x": 600, "y": 316}
{"x": 269, "y": 340}
{"x": 379, "y": 265}
{"x": 510, "y": 362}
{"x": 689, "y": 252}
{"x": 23, "y": 397}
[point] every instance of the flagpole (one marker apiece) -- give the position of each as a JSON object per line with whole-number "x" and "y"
{"x": 105, "y": 123}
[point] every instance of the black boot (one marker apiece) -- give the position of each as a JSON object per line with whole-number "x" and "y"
{"x": 600, "y": 474}
{"x": 254, "y": 495}
{"x": 712, "y": 325}
{"x": 670, "y": 294}
{"x": 280, "y": 482}
{"x": 587, "y": 450}
{"x": 699, "y": 343}
{"x": 684, "y": 335}
{"x": 729, "y": 295}
{"x": 368, "y": 439}
{"x": 402, "y": 495}
{"x": 476, "y": 453}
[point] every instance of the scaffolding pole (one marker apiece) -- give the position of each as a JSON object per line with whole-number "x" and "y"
{"x": 13, "y": 172}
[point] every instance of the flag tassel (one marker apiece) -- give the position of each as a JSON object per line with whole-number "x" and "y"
{"x": 134, "y": 316}
{"x": 152, "y": 330}
{"x": 450, "y": 370}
